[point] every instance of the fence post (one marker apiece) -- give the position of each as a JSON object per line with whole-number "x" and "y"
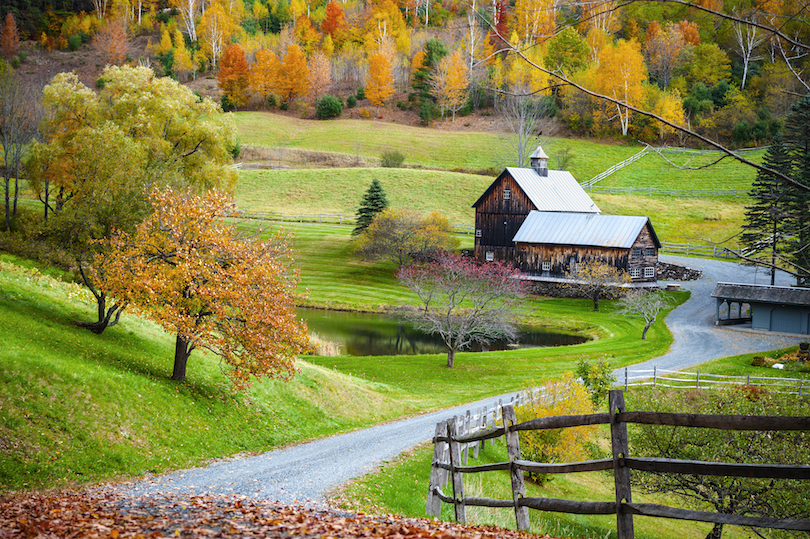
{"x": 457, "y": 480}
{"x": 655, "y": 375}
{"x": 518, "y": 486}
{"x": 801, "y": 385}
{"x": 626, "y": 383}
{"x": 465, "y": 429}
{"x": 434, "y": 504}
{"x": 697, "y": 378}
{"x": 621, "y": 474}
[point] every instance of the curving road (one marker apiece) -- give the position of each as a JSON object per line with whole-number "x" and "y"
{"x": 306, "y": 472}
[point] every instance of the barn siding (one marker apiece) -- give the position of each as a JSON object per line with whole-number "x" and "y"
{"x": 644, "y": 241}
{"x": 530, "y": 257}
{"x": 499, "y": 219}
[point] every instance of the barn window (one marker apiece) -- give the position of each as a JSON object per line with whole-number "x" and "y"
{"x": 546, "y": 265}
{"x": 507, "y": 194}
{"x": 477, "y": 232}
{"x": 649, "y": 272}
{"x": 490, "y": 256}
{"x": 635, "y": 273}
{"x": 636, "y": 252}
{"x": 650, "y": 251}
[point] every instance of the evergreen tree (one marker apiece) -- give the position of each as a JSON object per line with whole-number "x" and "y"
{"x": 797, "y": 140}
{"x": 767, "y": 218}
{"x": 374, "y": 201}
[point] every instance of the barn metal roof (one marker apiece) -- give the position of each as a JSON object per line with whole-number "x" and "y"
{"x": 565, "y": 228}
{"x": 784, "y": 295}
{"x": 558, "y": 191}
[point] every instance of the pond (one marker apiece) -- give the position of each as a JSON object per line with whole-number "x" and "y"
{"x": 364, "y": 334}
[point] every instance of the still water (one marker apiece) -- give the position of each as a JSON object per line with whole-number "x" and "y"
{"x": 363, "y": 334}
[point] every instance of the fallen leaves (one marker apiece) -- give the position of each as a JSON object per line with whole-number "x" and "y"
{"x": 107, "y": 513}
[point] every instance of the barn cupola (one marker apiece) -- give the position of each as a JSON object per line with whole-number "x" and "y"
{"x": 539, "y": 161}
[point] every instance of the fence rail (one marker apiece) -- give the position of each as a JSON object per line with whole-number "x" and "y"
{"x": 447, "y": 466}
{"x": 691, "y": 249}
{"x": 697, "y": 380}
{"x": 323, "y": 218}
{"x": 658, "y": 191}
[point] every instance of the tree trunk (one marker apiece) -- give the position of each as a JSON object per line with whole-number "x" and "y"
{"x": 716, "y": 533}
{"x": 182, "y": 349}
{"x": 646, "y": 327}
{"x": 451, "y": 358}
{"x": 105, "y": 315}
{"x": 8, "y": 206}
{"x": 595, "y": 299}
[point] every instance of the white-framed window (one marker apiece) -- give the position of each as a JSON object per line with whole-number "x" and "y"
{"x": 649, "y": 272}
{"x": 546, "y": 265}
{"x": 636, "y": 252}
{"x": 507, "y": 194}
{"x": 650, "y": 251}
{"x": 477, "y": 232}
{"x": 490, "y": 256}
{"x": 635, "y": 273}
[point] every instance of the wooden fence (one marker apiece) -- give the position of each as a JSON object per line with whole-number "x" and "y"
{"x": 447, "y": 466}
{"x": 666, "y": 192}
{"x": 691, "y": 249}
{"x": 697, "y": 380}
{"x": 323, "y": 218}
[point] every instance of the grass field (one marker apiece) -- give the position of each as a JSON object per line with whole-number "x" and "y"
{"x": 474, "y": 151}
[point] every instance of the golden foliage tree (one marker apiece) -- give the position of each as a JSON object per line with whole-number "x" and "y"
{"x": 379, "y": 81}
{"x": 188, "y": 9}
{"x": 334, "y": 24}
{"x": 306, "y": 34}
{"x": 669, "y": 106}
{"x": 183, "y": 63}
{"x": 9, "y": 37}
{"x": 450, "y": 82}
{"x": 209, "y": 285}
{"x": 563, "y": 396}
{"x": 111, "y": 42}
{"x": 595, "y": 279}
{"x": 292, "y": 78}
{"x": 533, "y": 20}
{"x": 620, "y": 75}
{"x": 214, "y": 30}
{"x": 263, "y": 74}
{"x": 233, "y": 75}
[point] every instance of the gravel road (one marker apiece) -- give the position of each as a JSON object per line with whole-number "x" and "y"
{"x": 305, "y": 472}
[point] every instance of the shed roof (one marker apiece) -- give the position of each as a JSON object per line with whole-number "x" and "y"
{"x": 563, "y": 228}
{"x": 558, "y": 191}
{"x": 784, "y": 295}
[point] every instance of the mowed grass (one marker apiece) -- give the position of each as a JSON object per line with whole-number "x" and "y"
{"x": 339, "y": 191}
{"x": 475, "y": 151}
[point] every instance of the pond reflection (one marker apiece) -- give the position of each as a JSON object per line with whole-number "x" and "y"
{"x": 363, "y": 334}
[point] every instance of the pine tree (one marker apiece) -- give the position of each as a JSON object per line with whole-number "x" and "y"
{"x": 374, "y": 201}
{"x": 767, "y": 218}
{"x": 797, "y": 140}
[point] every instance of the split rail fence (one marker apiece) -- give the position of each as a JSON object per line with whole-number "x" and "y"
{"x": 447, "y": 466}
{"x": 697, "y": 380}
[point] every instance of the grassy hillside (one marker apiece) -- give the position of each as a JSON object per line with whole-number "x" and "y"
{"x": 474, "y": 151}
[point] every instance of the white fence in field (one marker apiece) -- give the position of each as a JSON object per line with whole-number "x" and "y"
{"x": 696, "y": 380}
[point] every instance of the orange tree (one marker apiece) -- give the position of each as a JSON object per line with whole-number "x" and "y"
{"x": 211, "y": 286}
{"x": 292, "y": 78}
{"x": 233, "y": 76}
{"x": 379, "y": 82}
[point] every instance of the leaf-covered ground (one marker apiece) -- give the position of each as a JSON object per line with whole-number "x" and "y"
{"x": 106, "y": 513}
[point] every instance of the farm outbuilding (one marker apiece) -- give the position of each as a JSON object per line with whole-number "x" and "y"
{"x": 544, "y": 223}
{"x": 555, "y": 242}
{"x": 782, "y": 309}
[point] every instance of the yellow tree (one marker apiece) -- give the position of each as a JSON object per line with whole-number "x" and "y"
{"x": 385, "y": 22}
{"x": 183, "y": 63}
{"x": 600, "y": 15}
{"x": 263, "y": 74}
{"x": 165, "y": 44}
{"x": 320, "y": 76}
{"x": 533, "y": 20}
{"x": 379, "y": 81}
{"x": 620, "y": 74}
{"x": 188, "y": 9}
{"x": 450, "y": 82}
{"x": 209, "y": 285}
{"x": 669, "y": 106}
{"x": 291, "y": 79}
{"x": 306, "y": 35}
{"x": 215, "y": 28}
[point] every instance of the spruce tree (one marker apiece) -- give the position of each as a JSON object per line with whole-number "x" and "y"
{"x": 374, "y": 201}
{"x": 767, "y": 218}
{"x": 797, "y": 141}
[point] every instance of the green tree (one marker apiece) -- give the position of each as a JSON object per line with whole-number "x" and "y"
{"x": 567, "y": 52}
{"x": 105, "y": 151}
{"x": 374, "y": 202}
{"x": 403, "y": 236}
{"x": 797, "y": 139}
{"x": 729, "y": 495}
{"x": 766, "y": 219}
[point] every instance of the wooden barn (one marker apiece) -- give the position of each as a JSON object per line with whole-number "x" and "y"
{"x": 555, "y": 242}
{"x": 503, "y": 207}
{"x": 544, "y": 223}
